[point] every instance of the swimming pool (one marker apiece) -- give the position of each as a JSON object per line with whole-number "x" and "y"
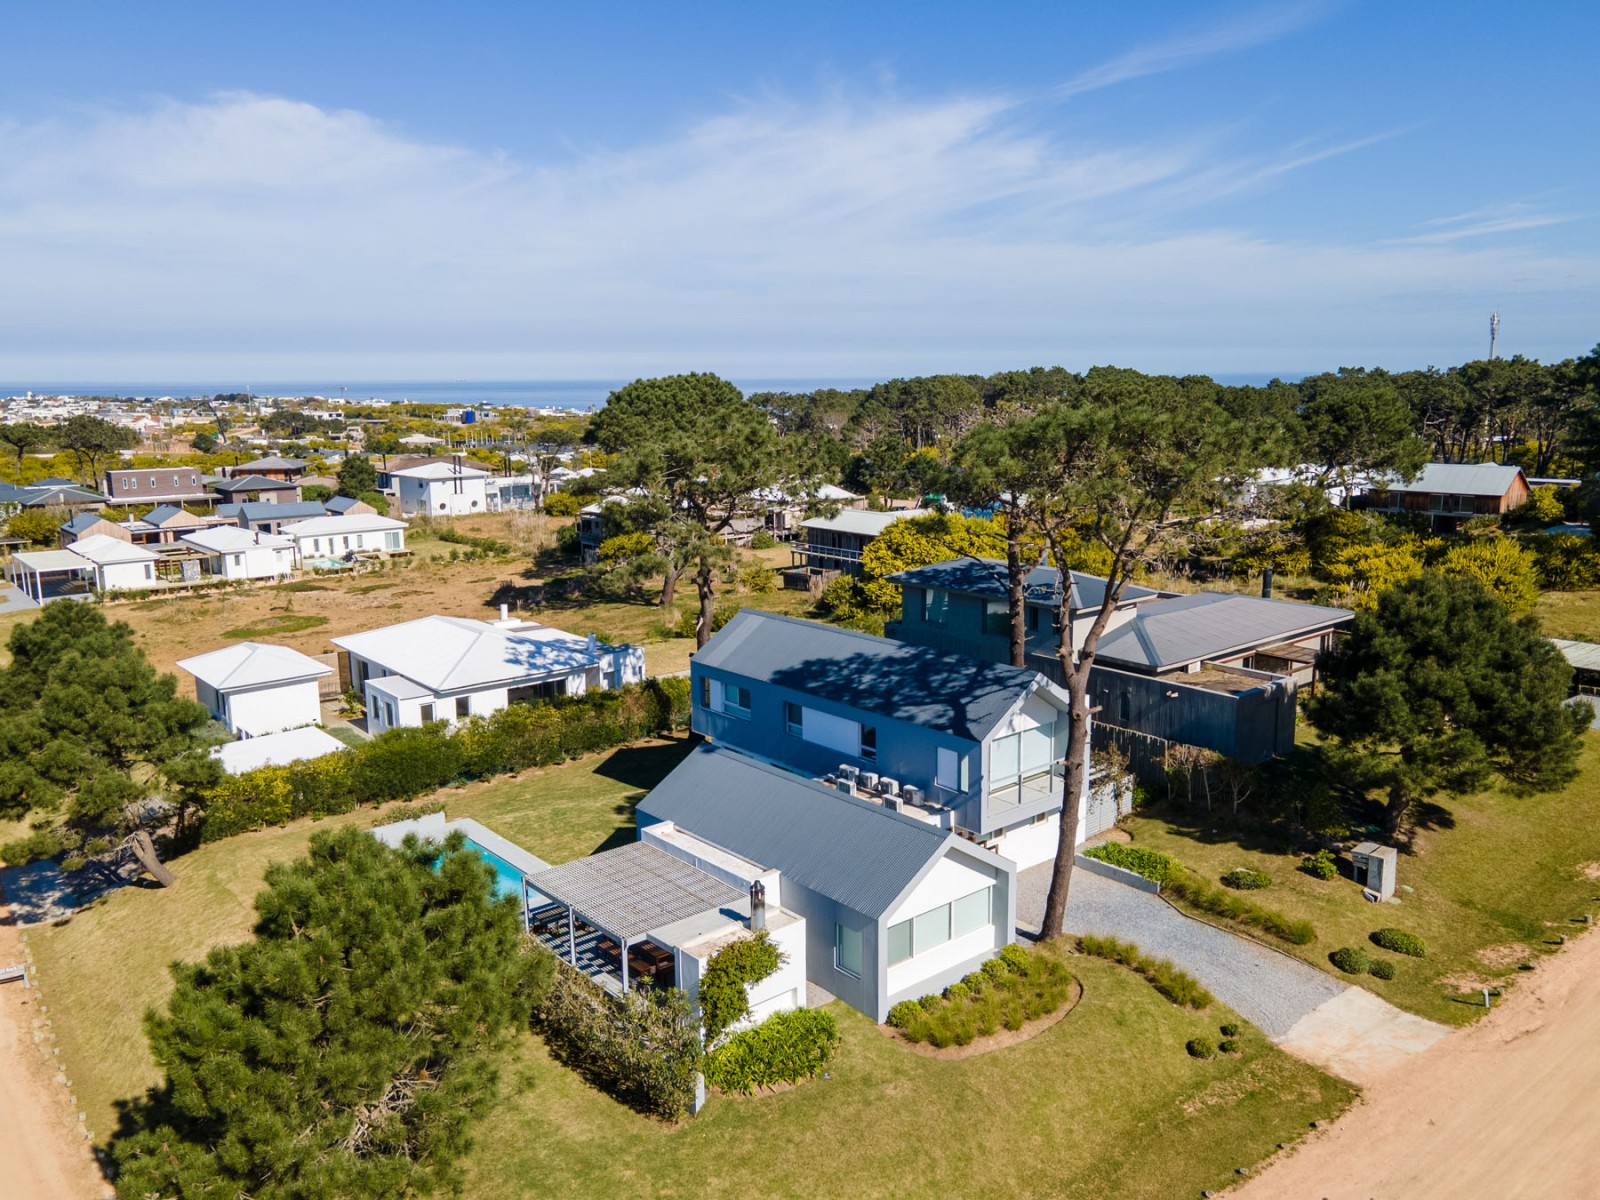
{"x": 507, "y": 879}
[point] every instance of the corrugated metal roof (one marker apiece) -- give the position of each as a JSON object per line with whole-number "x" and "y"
{"x": 265, "y": 510}
{"x": 635, "y": 888}
{"x": 1463, "y": 479}
{"x": 987, "y": 577}
{"x": 1585, "y": 656}
{"x": 855, "y": 853}
{"x": 322, "y": 524}
{"x": 230, "y": 539}
{"x": 98, "y": 548}
{"x": 253, "y": 664}
{"x": 1184, "y": 629}
{"x": 963, "y": 696}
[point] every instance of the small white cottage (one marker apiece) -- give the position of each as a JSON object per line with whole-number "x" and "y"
{"x": 255, "y": 688}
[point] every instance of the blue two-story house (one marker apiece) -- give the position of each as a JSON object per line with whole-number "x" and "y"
{"x": 965, "y": 744}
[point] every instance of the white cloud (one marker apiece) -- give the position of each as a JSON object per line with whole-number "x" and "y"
{"x": 852, "y": 236}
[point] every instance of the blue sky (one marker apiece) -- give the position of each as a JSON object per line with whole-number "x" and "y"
{"x": 491, "y": 191}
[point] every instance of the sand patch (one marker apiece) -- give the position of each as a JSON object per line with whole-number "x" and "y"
{"x": 1588, "y": 870}
{"x": 1500, "y": 958}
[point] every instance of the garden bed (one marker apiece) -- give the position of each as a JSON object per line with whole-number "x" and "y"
{"x": 1017, "y": 987}
{"x": 996, "y": 1041}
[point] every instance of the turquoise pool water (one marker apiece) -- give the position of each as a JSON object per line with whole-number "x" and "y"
{"x": 508, "y": 880}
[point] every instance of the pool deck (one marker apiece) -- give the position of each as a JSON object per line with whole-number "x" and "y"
{"x": 435, "y": 828}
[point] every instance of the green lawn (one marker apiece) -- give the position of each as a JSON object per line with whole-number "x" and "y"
{"x": 1061, "y": 1115}
{"x": 1496, "y": 881}
{"x": 102, "y": 968}
{"x": 1105, "y": 1104}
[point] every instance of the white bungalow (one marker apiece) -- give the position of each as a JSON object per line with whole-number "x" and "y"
{"x": 320, "y": 539}
{"x": 441, "y": 489}
{"x": 450, "y": 668}
{"x": 256, "y": 688}
{"x": 118, "y": 566}
{"x": 234, "y": 553}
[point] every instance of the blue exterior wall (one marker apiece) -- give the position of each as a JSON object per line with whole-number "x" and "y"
{"x": 1251, "y": 726}
{"x": 962, "y": 631}
{"x": 906, "y": 751}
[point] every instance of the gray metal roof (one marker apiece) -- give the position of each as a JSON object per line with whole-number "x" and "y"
{"x": 863, "y": 522}
{"x": 271, "y": 462}
{"x": 987, "y": 577}
{"x": 1463, "y": 479}
{"x": 636, "y": 888}
{"x": 853, "y": 852}
{"x": 1585, "y": 656}
{"x": 264, "y": 510}
{"x": 1184, "y": 629}
{"x": 963, "y": 696}
{"x": 250, "y": 483}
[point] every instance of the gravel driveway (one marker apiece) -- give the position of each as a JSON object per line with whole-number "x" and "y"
{"x": 1269, "y": 989}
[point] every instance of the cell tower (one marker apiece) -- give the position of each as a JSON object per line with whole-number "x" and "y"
{"x": 1494, "y": 333}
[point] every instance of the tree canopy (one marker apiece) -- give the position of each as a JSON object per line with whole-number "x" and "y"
{"x": 1440, "y": 689}
{"x": 24, "y": 437}
{"x": 93, "y": 442}
{"x": 702, "y": 452}
{"x": 87, "y": 726}
{"x": 357, "y": 476}
{"x": 347, "y": 1049}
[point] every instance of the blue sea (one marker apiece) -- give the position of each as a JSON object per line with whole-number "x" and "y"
{"x": 582, "y": 394}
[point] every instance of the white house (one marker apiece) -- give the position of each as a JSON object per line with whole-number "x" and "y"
{"x": 234, "y": 553}
{"x": 256, "y": 688}
{"x": 118, "y": 566}
{"x": 441, "y": 489}
{"x": 276, "y": 749}
{"x": 322, "y": 539}
{"x": 449, "y": 668}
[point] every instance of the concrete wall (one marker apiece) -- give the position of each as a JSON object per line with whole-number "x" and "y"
{"x": 1252, "y": 726}
{"x": 271, "y": 709}
{"x": 440, "y": 498}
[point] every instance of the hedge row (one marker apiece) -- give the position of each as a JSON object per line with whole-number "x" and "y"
{"x": 785, "y": 1048}
{"x": 403, "y": 763}
{"x": 1152, "y": 864}
{"x": 1185, "y": 885}
{"x": 1175, "y": 984}
{"x": 642, "y": 1049}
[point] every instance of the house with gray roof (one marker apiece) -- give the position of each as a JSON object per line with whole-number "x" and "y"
{"x": 895, "y": 904}
{"x": 828, "y": 546}
{"x": 270, "y": 518}
{"x": 972, "y": 745}
{"x": 1449, "y": 493}
{"x": 1213, "y": 669}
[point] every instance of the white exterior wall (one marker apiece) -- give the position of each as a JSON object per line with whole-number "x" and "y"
{"x": 272, "y": 709}
{"x": 408, "y": 712}
{"x": 1030, "y": 845}
{"x": 441, "y": 497}
{"x": 949, "y": 880}
{"x": 257, "y": 562}
{"x": 126, "y": 577}
{"x": 781, "y": 991}
{"x": 331, "y": 545}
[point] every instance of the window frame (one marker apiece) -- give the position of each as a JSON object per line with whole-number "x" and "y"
{"x": 840, "y": 933}
{"x": 869, "y": 742}
{"x": 794, "y": 719}
{"x": 463, "y": 707}
{"x": 429, "y": 716}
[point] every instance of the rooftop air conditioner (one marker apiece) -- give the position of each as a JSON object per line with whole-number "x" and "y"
{"x": 846, "y": 771}
{"x": 911, "y": 794}
{"x": 845, "y": 786}
{"x": 889, "y": 787}
{"x": 893, "y": 803}
{"x": 869, "y": 780}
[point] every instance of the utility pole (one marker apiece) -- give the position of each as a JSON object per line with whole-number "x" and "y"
{"x": 1494, "y": 333}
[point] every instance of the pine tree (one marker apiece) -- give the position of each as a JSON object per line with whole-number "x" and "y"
{"x": 347, "y": 1049}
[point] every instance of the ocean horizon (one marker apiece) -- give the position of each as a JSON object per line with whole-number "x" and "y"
{"x": 580, "y": 394}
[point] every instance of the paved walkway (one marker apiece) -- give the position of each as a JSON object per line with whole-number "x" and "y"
{"x": 1308, "y": 1012}
{"x": 12, "y": 599}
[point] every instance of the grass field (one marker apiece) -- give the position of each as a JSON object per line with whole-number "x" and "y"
{"x": 1060, "y": 1115}
{"x": 1496, "y": 880}
{"x": 1571, "y": 615}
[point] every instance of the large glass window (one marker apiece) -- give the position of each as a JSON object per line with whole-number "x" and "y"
{"x": 935, "y": 606}
{"x": 869, "y": 741}
{"x": 847, "y": 950}
{"x": 971, "y": 912}
{"x": 1005, "y": 758}
{"x": 794, "y": 718}
{"x": 899, "y": 942}
{"x": 736, "y": 699}
{"x": 997, "y": 617}
{"x": 931, "y": 928}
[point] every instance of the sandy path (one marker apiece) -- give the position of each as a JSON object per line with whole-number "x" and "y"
{"x": 39, "y": 1157}
{"x": 1506, "y": 1108}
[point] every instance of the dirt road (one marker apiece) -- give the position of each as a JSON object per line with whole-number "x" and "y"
{"x": 39, "y": 1157}
{"x": 1504, "y": 1108}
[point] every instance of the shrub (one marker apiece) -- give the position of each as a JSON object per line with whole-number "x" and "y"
{"x": 1230, "y": 1030}
{"x": 1190, "y": 888}
{"x": 975, "y": 980}
{"x": 724, "y": 998}
{"x": 1152, "y": 864}
{"x": 1381, "y": 969}
{"x": 41, "y": 843}
{"x": 1400, "y": 942}
{"x": 1246, "y": 880}
{"x": 1200, "y": 1047}
{"x": 785, "y": 1048}
{"x": 995, "y": 969}
{"x": 763, "y": 541}
{"x": 561, "y": 504}
{"x": 1015, "y": 957}
{"x": 757, "y": 579}
{"x": 1321, "y": 865}
{"x": 643, "y": 1049}
{"x": 1228, "y": 1046}
{"x": 930, "y": 1001}
{"x": 1352, "y": 960}
{"x": 1176, "y": 985}
{"x": 903, "y": 1014}
{"x": 957, "y": 991}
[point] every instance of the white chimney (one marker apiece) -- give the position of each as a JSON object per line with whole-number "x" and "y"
{"x": 505, "y": 612}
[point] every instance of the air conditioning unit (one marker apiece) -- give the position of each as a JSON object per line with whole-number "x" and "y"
{"x": 845, "y": 786}
{"x": 846, "y": 771}
{"x": 829, "y": 780}
{"x": 911, "y": 794}
{"x": 893, "y": 803}
{"x": 869, "y": 780}
{"x": 889, "y": 787}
